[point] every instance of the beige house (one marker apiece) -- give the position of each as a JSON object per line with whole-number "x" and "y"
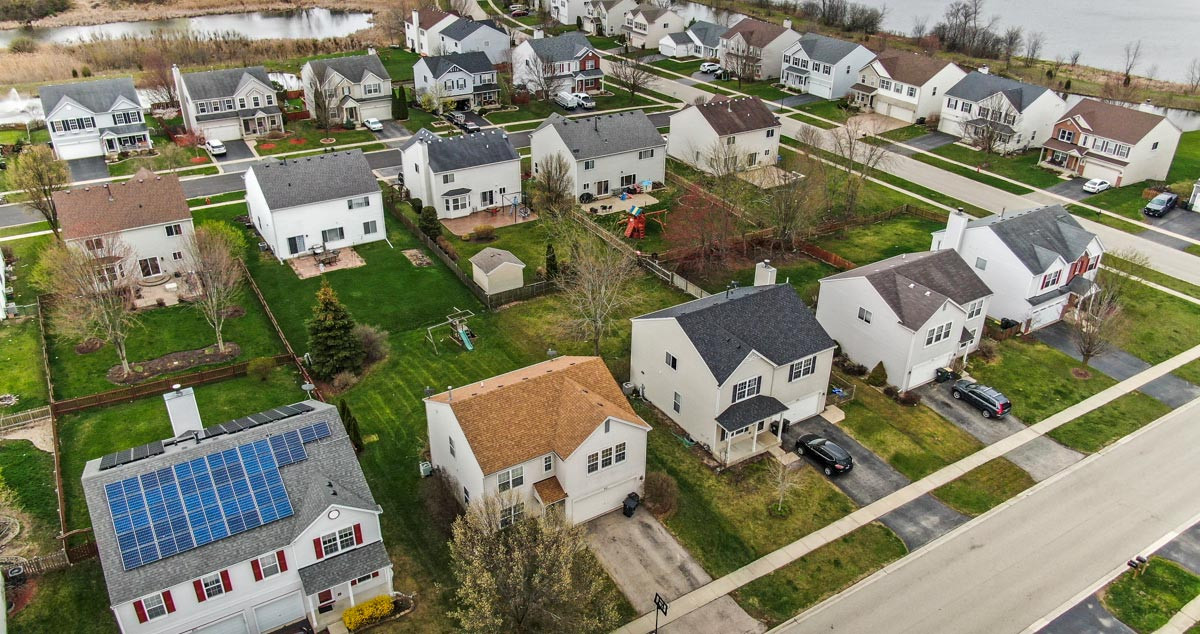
{"x": 647, "y": 24}
{"x": 497, "y": 270}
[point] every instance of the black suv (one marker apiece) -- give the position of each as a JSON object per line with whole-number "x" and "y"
{"x": 1160, "y": 205}
{"x": 832, "y": 458}
{"x": 990, "y": 402}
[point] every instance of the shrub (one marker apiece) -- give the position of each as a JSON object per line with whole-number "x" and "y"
{"x": 374, "y": 342}
{"x": 22, "y": 45}
{"x": 483, "y": 233}
{"x": 987, "y": 350}
{"x": 891, "y": 391}
{"x": 399, "y": 105}
{"x": 260, "y": 368}
{"x": 551, "y": 262}
{"x": 662, "y": 494}
{"x": 344, "y": 380}
{"x": 448, "y": 248}
{"x": 857, "y": 369}
{"x": 878, "y": 376}
{"x": 416, "y": 205}
{"x": 368, "y": 612}
{"x": 429, "y": 223}
{"x": 85, "y": 71}
{"x": 909, "y": 398}
{"x": 74, "y": 73}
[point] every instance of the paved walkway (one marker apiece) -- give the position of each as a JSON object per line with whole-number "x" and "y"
{"x": 874, "y": 511}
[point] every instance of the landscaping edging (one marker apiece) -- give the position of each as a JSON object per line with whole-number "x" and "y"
{"x": 174, "y": 362}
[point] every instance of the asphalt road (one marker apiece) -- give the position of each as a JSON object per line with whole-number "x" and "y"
{"x": 1020, "y": 564}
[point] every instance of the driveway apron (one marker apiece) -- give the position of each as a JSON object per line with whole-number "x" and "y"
{"x": 87, "y": 169}
{"x": 1087, "y": 616}
{"x": 927, "y": 142}
{"x": 922, "y": 521}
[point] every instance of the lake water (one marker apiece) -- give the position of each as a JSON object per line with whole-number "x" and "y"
{"x": 302, "y": 24}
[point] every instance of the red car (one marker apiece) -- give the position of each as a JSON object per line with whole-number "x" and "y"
{"x": 519, "y": 13}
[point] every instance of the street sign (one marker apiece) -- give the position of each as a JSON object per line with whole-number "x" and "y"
{"x": 660, "y": 603}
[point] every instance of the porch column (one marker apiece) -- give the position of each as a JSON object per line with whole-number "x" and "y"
{"x": 351, "y": 585}
{"x": 312, "y": 611}
{"x": 754, "y": 439}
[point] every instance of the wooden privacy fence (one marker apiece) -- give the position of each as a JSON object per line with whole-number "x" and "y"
{"x": 20, "y": 419}
{"x": 644, "y": 261}
{"x": 828, "y": 257}
{"x": 56, "y": 560}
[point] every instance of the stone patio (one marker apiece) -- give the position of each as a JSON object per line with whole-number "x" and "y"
{"x": 618, "y": 205}
{"x": 768, "y": 176}
{"x": 500, "y": 217}
{"x": 306, "y": 266}
{"x": 169, "y": 292}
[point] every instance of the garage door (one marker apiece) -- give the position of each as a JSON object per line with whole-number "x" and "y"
{"x": 233, "y": 625}
{"x": 68, "y": 151}
{"x": 585, "y": 508}
{"x": 923, "y": 373}
{"x": 279, "y": 612}
{"x": 222, "y": 131}
{"x": 1046, "y": 316}
{"x": 804, "y": 408}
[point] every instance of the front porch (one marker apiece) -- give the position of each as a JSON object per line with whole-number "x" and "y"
{"x": 261, "y": 124}
{"x": 737, "y": 448}
{"x": 1061, "y": 157}
{"x": 115, "y": 143}
{"x": 748, "y": 428}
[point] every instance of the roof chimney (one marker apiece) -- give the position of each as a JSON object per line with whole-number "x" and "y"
{"x": 764, "y": 274}
{"x": 787, "y": 23}
{"x": 182, "y": 409}
{"x": 956, "y": 229}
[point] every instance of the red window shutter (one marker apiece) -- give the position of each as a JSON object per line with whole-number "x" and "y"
{"x": 317, "y": 547}
{"x": 168, "y": 601}
{"x": 374, "y": 574}
{"x": 225, "y": 581}
{"x": 199, "y": 585}
{"x": 282, "y": 561}
{"x": 354, "y": 582}
{"x": 325, "y": 596}
{"x": 358, "y": 534}
{"x": 140, "y": 608}
{"x": 254, "y": 565}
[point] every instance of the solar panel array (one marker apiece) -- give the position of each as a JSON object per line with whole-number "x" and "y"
{"x": 199, "y": 501}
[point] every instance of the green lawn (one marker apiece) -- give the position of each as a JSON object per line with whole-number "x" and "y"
{"x": 914, "y": 440}
{"x": 27, "y": 251}
{"x": 1146, "y": 602}
{"x": 527, "y": 241}
{"x": 1037, "y": 378}
{"x": 1160, "y": 325}
{"x": 32, "y": 227}
{"x": 984, "y": 487}
{"x": 1150, "y": 275}
{"x": 542, "y": 108}
{"x": 656, "y": 235}
{"x": 972, "y": 174}
{"x": 906, "y": 133}
{"x": 219, "y": 198}
{"x": 1022, "y": 167}
{"x": 418, "y": 119}
{"x": 1101, "y": 427}
{"x": 821, "y": 573}
{"x": 69, "y": 600}
{"x": 1190, "y": 372}
{"x": 27, "y": 484}
{"x": 761, "y": 89}
{"x": 871, "y": 243}
{"x": 605, "y": 43}
{"x": 831, "y": 110}
{"x": 130, "y": 166}
{"x": 682, "y": 67}
{"x": 1127, "y": 201}
{"x": 800, "y": 271}
{"x": 21, "y": 371}
{"x": 306, "y": 135}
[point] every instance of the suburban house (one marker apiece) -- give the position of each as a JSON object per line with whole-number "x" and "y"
{"x": 567, "y": 11}
{"x": 357, "y": 87}
{"x": 421, "y": 31}
{"x": 460, "y": 77}
{"x": 1003, "y": 113}
{"x": 228, "y": 104}
{"x": 147, "y": 214}
{"x": 914, "y": 312}
{"x": 1037, "y": 262}
{"x": 553, "y": 64}
{"x": 754, "y": 49}
{"x": 459, "y": 175}
{"x": 1122, "y": 145}
{"x": 733, "y": 369}
{"x": 823, "y": 66}
{"x": 496, "y": 270}
{"x": 556, "y": 434}
{"x": 701, "y": 39}
{"x": 465, "y": 35}
{"x": 253, "y": 525}
{"x": 905, "y": 86}
{"x": 646, "y": 24}
{"x": 94, "y": 118}
{"x": 606, "y": 152}
{"x": 314, "y": 203}
{"x": 606, "y": 17}
{"x": 725, "y": 135}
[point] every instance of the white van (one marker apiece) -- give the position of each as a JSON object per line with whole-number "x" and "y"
{"x": 566, "y": 100}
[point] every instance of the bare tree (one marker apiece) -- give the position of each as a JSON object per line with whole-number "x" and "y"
{"x": 1098, "y": 324}
{"x": 858, "y": 158}
{"x": 93, "y": 291}
{"x": 965, "y": 29}
{"x": 1074, "y": 58}
{"x": 461, "y": 7}
{"x": 596, "y": 287}
{"x": 322, "y": 111}
{"x": 1011, "y": 43}
{"x": 540, "y": 79}
{"x": 1114, "y": 89}
{"x": 211, "y": 253}
{"x": 391, "y": 20}
{"x": 1127, "y": 265}
{"x": 783, "y": 479}
{"x": 631, "y": 74}
{"x": 1133, "y": 55}
{"x": 990, "y": 131}
{"x": 1193, "y": 75}
{"x": 159, "y": 80}
{"x": 39, "y": 174}
{"x": 920, "y": 27}
{"x": 792, "y": 208}
{"x": 553, "y": 184}
{"x": 742, "y": 60}
{"x": 1033, "y": 47}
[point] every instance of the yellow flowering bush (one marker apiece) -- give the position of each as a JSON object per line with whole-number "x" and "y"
{"x": 368, "y": 612}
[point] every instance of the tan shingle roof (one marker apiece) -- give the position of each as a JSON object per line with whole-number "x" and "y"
{"x": 429, "y": 17}
{"x": 552, "y": 406}
{"x": 549, "y": 490}
{"x": 755, "y": 32}
{"x": 910, "y": 68}
{"x": 1113, "y": 122}
{"x": 144, "y": 200}
{"x": 732, "y": 116}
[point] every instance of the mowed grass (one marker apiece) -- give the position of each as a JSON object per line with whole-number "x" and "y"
{"x": 219, "y": 198}
{"x": 305, "y": 135}
{"x": 1021, "y": 167}
{"x": 880, "y": 240}
{"x": 831, "y": 110}
{"x": 21, "y": 371}
{"x": 527, "y": 241}
{"x": 27, "y": 484}
{"x": 1036, "y": 378}
{"x": 26, "y": 251}
{"x": 1146, "y": 602}
{"x": 1101, "y": 427}
{"x": 914, "y": 440}
{"x": 73, "y": 599}
{"x": 1160, "y": 325}
{"x": 1189, "y": 372}
{"x": 1128, "y": 200}
{"x": 821, "y": 573}
{"x": 984, "y": 487}
{"x": 18, "y": 230}
{"x": 800, "y": 271}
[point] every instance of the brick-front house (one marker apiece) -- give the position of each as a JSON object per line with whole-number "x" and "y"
{"x": 554, "y": 64}
{"x": 1118, "y": 144}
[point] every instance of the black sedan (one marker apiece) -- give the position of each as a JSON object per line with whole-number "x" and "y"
{"x": 832, "y": 458}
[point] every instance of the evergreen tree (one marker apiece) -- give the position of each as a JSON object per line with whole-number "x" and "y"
{"x": 878, "y": 376}
{"x": 399, "y": 105}
{"x": 551, "y": 262}
{"x": 429, "y": 223}
{"x": 331, "y": 341}
{"x": 351, "y": 424}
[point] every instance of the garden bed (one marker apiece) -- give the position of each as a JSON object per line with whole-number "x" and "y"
{"x": 174, "y": 362}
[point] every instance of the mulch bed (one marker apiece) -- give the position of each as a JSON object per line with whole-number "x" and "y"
{"x": 417, "y": 257}
{"x": 297, "y": 141}
{"x": 174, "y": 362}
{"x": 89, "y": 346}
{"x": 199, "y": 159}
{"x": 266, "y": 146}
{"x": 233, "y": 312}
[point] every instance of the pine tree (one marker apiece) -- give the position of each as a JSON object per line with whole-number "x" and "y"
{"x": 429, "y": 223}
{"x": 400, "y": 105}
{"x": 331, "y": 340}
{"x": 878, "y": 376}
{"x": 551, "y": 262}
{"x": 351, "y": 424}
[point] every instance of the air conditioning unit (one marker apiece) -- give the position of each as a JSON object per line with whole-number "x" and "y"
{"x": 426, "y": 469}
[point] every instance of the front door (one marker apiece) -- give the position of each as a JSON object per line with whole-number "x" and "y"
{"x": 295, "y": 244}
{"x": 149, "y": 267}
{"x": 325, "y": 601}
{"x": 352, "y": 113}
{"x": 111, "y": 144}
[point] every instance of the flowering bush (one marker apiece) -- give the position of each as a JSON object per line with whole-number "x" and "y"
{"x": 368, "y": 612}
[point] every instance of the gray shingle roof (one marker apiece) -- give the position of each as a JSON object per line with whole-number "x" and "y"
{"x": 474, "y": 62}
{"x": 977, "y": 86}
{"x": 561, "y": 48}
{"x": 734, "y": 116}
{"x": 352, "y": 67}
{"x": 769, "y": 320}
{"x": 708, "y": 33}
{"x": 680, "y": 38}
{"x": 314, "y": 179}
{"x": 915, "y": 285}
{"x": 491, "y": 258}
{"x": 462, "y": 27}
{"x": 1037, "y": 236}
{"x": 212, "y": 84}
{"x": 97, "y": 96}
{"x": 749, "y": 411}
{"x": 241, "y": 114}
{"x": 605, "y": 134}
{"x": 829, "y": 50}
{"x": 342, "y": 567}
{"x": 464, "y": 150}
{"x": 328, "y": 460}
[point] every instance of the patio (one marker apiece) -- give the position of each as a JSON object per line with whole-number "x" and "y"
{"x": 496, "y": 217}
{"x": 768, "y": 177}
{"x": 152, "y": 290}
{"x": 616, "y": 205}
{"x": 312, "y": 265}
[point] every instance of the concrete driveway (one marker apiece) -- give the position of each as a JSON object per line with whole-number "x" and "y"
{"x": 1072, "y": 189}
{"x": 927, "y": 142}
{"x": 88, "y": 169}
{"x": 643, "y": 558}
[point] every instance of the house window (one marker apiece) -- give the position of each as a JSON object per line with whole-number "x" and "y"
{"x": 1010, "y": 119}
{"x": 332, "y": 543}
{"x": 1154, "y": 146}
{"x": 1066, "y": 135}
{"x": 94, "y": 244}
{"x": 802, "y": 368}
{"x": 178, "y": 255}
{"x": 357, "y": 203}
{"x": 966, "y": 107}
{"x": 885, "y": 84}
{"x": 606, "y": 457}
{"x": 645, "y": 154}
{"x": 256, "y": 100}
{"x": 1094, "y": 263}
{"x": 981, "y": 264}
{"x": 372, "y": 89}
{"x": 969, "y": 340}
{"x": 466, "y": 496}
{"x": 370, "y": 227}
{"x": 730, "y": 140}
{"x": 804, "y": 64}
{"x": 457, "y": 203}
{"x": 983, "y": 112}
{"x": 202, "y": 107}
{"x": 548, "y": 463}
{"x": 332, "y": 235}
{"x": 771, "y": 133}
{"x": 512, "y": 514}
{"x": 174, "y": 230}
{"x": 912, "y": 91}
{"x": 593, "y": 462}
{"x": 154, "y": 606}
{"x": 619, "y": 456}
{"x": 587, "y": 165}
{"x": 864, "y": 315}
{"x": 628, "y": 180}
{"x": 269, "y": 565}
{"x": 241, "y": 102}
{"x": 677, "y": 403}
{"x": 934, "y": 335}
{"x": 951, "y": 103}
{"x": 212, "y": 585}
{"x": 746, "y": 389}
{"x": 672, "y": 361}
{"x": 974, "y": 309}
{"x": 450, "y": 439}
{"x": 447, "y": 179}
{"x": 510, "y": 479}
{"x": 1050, "y": 279}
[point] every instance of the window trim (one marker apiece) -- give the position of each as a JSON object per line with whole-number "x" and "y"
{"x": 547, "y": 463}
{"x": 746, "y": 389}
{"x": 212, "y": 592}
{"x": 974, "y": 309}
{"x": 273, "y": 560}
{"x": 672, "y": 361}
{"x": 162, "y": 604}
{"x": 802, "y": 368}
{"x": 864, "y": 315}
{"x": 510, "y": 478}
{"x": 938, "y": 334}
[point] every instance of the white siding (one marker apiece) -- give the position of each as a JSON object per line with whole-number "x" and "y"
{"x": 546, "y": 143}
{"x": 462, "y": 467}
{"x": 697, "y": 146}
{"x": 277, "y": 225}
{"x": 505, "y": 277}
{"x": 589, "y": 495}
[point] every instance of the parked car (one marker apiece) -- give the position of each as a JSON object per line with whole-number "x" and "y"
{"x": 710, "y": 67}
{"x": 373, "y": 125}
{"x": 215, "y": 147}
{"x": 832, "y": 458}
{"x": 457, "y": 118}
{"x": 567, "y": 100}
{"x": 469, "y": 126}
{"x": 1096, "y": 185}
{"x": 990, "y": 402}
{"x": 1161, "y": 204}
{"x": 519, "y": 13}
{"x": 584, "y": 100}
{"x": 517, "y": 7}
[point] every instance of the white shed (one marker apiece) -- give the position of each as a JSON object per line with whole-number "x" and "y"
{"x": 497, "y": 270}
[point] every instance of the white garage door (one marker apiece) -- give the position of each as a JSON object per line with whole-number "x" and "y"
{"x": 923, "y": 373}
{"x": 1045, "y": 316}
{"x": 68, "y": 151}
{"x": 1096, "y": 170}
{"x": 584, "y": 509}
{"x": 221, "y": 131}
{"x": 804, "y": 408}
{"x": 234, "y": 625}
{"x": 279, "y": 612}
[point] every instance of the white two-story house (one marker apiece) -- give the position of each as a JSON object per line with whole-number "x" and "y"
{"x": 725, "y": 135}
{"x": 228, "y": 104}
{"x": 459, "y": 77}
{"x": 94, "y": 118}
{"x": 701, "y": 39}
{"x": 558, "y": 434}
{"x": 465, "y": 35}
{"x": 606, "y": 17}
{"x": 606, "y": 152}
{"x": 249, "y": 526}
{"x": 422, "y": 30}
{"x": 1120, "y": 145}
{"x": 904, "y": 86}
{"x": 322, "y": 202}
{"x": 459, "y": 175}
{"x": 1009, "y": 114}
{"x": 1036, "y": 262}
{"x": 357, "y": 87}
{"x": 823, "y": 66}
{"x": 148, "y": 215}
{"x": 554, "y": 64}
{"x": 646, "y": 24}
{"x": 754, "y": 49}
{"x": 733, "y": 369}
{"x": 567, "y": 11}
{"x": 914, "y": 312}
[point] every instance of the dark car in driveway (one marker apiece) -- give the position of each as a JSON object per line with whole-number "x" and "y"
{"x": 832, "y": 458}
{"x": 1160, "y": 205}
{"x": 990, "y": 402}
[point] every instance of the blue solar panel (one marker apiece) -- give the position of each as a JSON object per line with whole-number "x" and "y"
{"x": 287, "y": 448}
{"x": 314, "y": 432}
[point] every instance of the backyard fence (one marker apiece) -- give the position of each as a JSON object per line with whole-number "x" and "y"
{"x": 828, "y": 257}
{"x": 644, "y": 261}
{"x": 56, "y": 560}
{"x": 287, "y": 345}
{"x": 20, "y": 419}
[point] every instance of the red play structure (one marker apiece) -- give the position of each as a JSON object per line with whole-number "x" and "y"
{"x": 635, "y": 222}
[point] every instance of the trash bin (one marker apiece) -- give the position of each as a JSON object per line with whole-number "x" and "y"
{"x": 631, "y": 503}
{"x": 941, "y": 375}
